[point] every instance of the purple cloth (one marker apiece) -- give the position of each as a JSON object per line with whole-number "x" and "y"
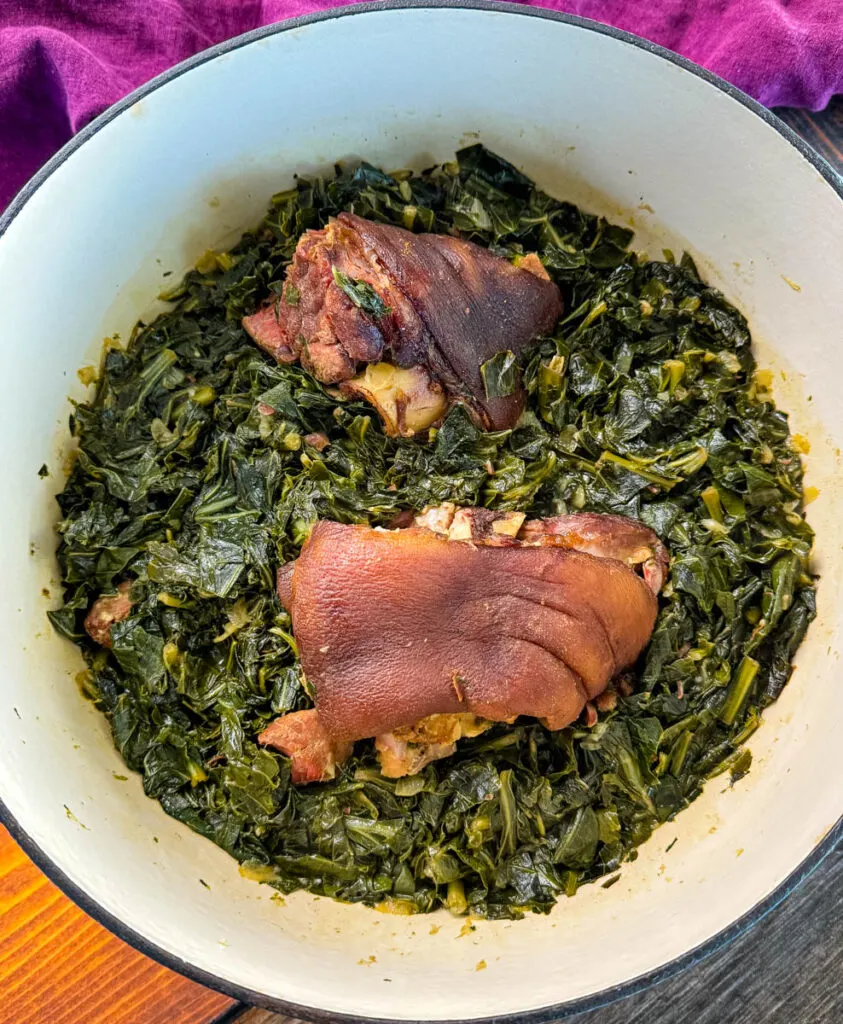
{"x": 62, "y": 62}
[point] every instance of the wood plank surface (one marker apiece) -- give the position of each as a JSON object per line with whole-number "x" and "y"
{"x": 823, "y": 130}
{"x": 58, "y": 966}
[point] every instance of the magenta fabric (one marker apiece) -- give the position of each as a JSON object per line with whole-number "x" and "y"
{"x": 62, "y": 62}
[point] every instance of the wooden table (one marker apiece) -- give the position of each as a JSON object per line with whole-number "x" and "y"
{"x": 57, "y": 966}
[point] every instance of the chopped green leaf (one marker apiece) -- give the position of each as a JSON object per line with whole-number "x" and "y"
{"x": 500, "y": 375}
{"x": 362, "y": 294}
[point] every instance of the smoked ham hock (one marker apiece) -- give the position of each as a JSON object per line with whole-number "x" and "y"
{"x": 420, "y": 636}
{"x": 406, "y": 321}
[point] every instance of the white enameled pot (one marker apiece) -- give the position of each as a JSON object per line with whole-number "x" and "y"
{"x": 187, "y": 163}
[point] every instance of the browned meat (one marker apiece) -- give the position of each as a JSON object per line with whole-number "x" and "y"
{"x": 431, "y": 304}
{"x": 319, "y": 441}
{"x": 314, "y": 755}
{"x": 268, "y": 330}
{"x": 480, "y": 525}
{"x": 396, "y": 626}
{"x": 105, "y": 611}
{"x": 627, "y": 540}
{"x": 407, "y": 750}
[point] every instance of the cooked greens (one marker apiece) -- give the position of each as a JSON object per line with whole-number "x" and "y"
{"x": 500, "y": 374}
{"x": 362, "y": 294}
{"x": 195, "y": 479}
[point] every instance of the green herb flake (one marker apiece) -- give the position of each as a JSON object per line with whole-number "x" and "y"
{"x": 362, "y": 294}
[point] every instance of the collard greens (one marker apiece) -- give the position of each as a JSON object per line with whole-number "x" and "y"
{"x": 645, "y": 403}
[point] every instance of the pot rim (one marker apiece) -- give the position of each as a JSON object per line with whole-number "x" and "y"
{"x": 541, "y": 1015}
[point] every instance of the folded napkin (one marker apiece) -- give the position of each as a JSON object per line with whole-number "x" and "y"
{"x": 62, "y": 62}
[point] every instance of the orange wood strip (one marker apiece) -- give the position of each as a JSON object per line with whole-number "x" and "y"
{"x": 58, "y": 966}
